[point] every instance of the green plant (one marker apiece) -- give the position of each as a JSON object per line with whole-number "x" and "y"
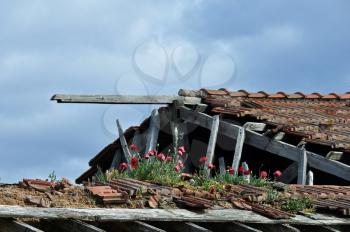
{"x": 296, "y": 205}
{"x": 52, "y": 177}
{"x": 272, "y": 195}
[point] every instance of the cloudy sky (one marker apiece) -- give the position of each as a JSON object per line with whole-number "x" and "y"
{"x": 148, "y": 47}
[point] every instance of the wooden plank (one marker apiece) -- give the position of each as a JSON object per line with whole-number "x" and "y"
{"x": 10, "y": 225}
{"x": 212, "y": 143}
{"x": 124, "y": 144}
{"x": 289, "y": 174}
{"x": 153, "y": 131}
{"x": 123, "y": 99}
{"x": 75, "y": 225}
{"x": 180, "y": 215}
{"x": 259, "y": 141}
{"x": 302, "y": 164}
{"x": 238, "y": 150}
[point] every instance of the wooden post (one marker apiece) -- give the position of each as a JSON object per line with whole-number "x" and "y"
{"x": 153, "y": 131}
{"x": 302, "y": 166}
{"x": 238, "y": 150}
{"x": 212, "y": 143}
{"x": 123, "y": 143}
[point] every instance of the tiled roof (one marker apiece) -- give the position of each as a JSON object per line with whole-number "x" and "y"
{"x": 322, "y": 119}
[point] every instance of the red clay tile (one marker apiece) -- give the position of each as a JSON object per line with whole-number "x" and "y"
{"x": 313, "y": 96}
{"x": 331, "y": 96}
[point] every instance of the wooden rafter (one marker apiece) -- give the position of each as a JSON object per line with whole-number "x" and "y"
{"x": 123, "y": 99}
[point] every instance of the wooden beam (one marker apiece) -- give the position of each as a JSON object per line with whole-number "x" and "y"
{"x": 238, "y": 150}
{"x": 11, "y": 225}
{"x": 153, "y": 131}
{"x": 289, "y": 174}
{"x": 302, "y": 164}
{"x": 123, "y": 99}
{"x": 212, "y": 143}
{"x": 123, "y": 143}
{"x": 259, "y": 141}
{"x": 180, "y": 215}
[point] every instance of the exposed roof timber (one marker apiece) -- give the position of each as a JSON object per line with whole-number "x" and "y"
{"x": 14, "y": 225}
{"x": 259, "y": 141}
{"x": 123, "y": 99}
{"x": 181, "y": 215}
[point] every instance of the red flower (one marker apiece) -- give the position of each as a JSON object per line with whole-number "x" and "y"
{"x": 123, "y": 167}
{"x": 134, "y": 162}
{"x": 277, "y": 173}
{"x": 152, "y": 153}
{"x": 180, "y": 164}
{"x": 203, "y": 159}
{"x": 231, "y": 171}
{"x": 146, "y": 156}
{"x": 240, "y": 170}
{"x": 246, "y": 172}
{"x": 211, "y": 166}
{"x": 177, "y": 168}
{"x": 169, "y": 158}
{"x": 263, "y": 174}
{"x": 181, "y": 149}
{"x": 161, "y": 157}
{"x": 133, "y": 147}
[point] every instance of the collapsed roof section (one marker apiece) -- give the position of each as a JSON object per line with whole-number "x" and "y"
{"x": 301, "y": 131}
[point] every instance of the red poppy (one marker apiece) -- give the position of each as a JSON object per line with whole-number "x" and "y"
{"x": 263, "y": 174}
{"x": 246, "y": 172}
{"x": 211, "y": 166}
{"x": 182, "y": 149}
{"x": 177, "y": 168}
{"x": 133, "y": 147}
{"x": 231, "y": 171}
{"x": 134, "y": 162}
{"x": 277, "y": 173}
{"x": 169, "y": 158}
{"x": 152, "y": 153}
{"x": 123, "y": 167}
{"x": 240, "y": 170}
{"x": 203, "y": 159}
{"x": 161, "y": 157}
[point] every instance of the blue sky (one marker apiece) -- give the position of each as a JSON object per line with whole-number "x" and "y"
{"x": 148, "y": 47}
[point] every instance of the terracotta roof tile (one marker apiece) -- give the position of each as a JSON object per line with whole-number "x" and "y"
{"x": 260, "y": 94}
{"x": 313, "y": 96}
{"x": 278, "y": 95}
{"x": 331, "y": 96}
